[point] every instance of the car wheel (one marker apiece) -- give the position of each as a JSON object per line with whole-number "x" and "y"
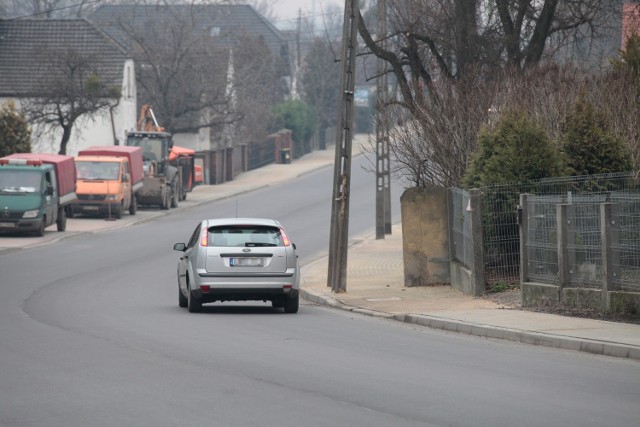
{"x": 61, "y": 223}
{"x": 277, "y": 303}
{"x": 194, "y": 305}
{"x": 291, "y": 304}
{"x": 182, "y": 300}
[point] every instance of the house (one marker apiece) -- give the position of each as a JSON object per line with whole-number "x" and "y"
{"x": 220, "y": 148}
{"x": 26, "y": 45}
{"x": 630, "y": 22}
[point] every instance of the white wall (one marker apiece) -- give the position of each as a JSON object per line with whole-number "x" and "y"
{"x": 99, "y": 130}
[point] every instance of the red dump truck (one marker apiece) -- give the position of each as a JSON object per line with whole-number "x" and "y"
{"x": 35, "y": 190}
{"x": 109, "y": 178}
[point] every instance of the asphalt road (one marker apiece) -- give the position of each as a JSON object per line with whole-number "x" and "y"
{"x": 91, "y": 335}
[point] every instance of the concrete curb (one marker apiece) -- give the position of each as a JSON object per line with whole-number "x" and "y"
{"x": 487, "y": 331}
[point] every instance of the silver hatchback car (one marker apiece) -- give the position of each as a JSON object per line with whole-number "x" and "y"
{"x": 238, "y": 259}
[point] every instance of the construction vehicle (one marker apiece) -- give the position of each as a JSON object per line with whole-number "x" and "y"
{"x": 109, "y": 178}
{"x": 162, "y": 182}
{"x": 35, "y": 191}
{"x": 184, "y": 159}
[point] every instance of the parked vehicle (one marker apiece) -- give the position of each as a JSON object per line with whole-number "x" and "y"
{"x": 35, "y": 190}
{"x": 109, "y": 177}
{"x": 162, "y": 180}
{"x": 183, "y": 159}
{"x": 238, "y": 259}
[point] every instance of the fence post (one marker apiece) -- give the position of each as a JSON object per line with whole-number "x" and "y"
{"x": 606, "y": 234}
{"x": 475, "y": 198}
{"x": 563, "y": 245}
{"x": 523, "y": 222}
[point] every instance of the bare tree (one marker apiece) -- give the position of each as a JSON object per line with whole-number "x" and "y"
{"x": 320, "y": 83}
{"x": 72, "y": 86}
{"x": 454, "y": 53}
{"x": 191, "y": 71}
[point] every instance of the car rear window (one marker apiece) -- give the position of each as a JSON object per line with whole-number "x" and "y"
{"x": 244, "y": 236}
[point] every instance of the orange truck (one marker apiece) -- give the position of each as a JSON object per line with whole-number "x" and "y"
{"x": 109, "y": 178}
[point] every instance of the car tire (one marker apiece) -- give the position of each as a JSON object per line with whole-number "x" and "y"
{"x": 61, "y": 223}
{"x": 277, "y": 303}
{"x": 183, "y": 302}
{"x": 194, "y": 305}
{"x": 291, "y": 304}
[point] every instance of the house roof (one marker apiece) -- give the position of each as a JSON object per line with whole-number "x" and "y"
{"x": 223, "y": 22}
{"x": 630, "y": 22}
{"x": 23, "y": 43}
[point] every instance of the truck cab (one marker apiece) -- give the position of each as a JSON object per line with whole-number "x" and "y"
{"x": 30, "y": 198}
{"x": 103, "y": 186}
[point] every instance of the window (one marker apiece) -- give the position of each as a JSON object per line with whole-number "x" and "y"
{"x": 245, "y": 236}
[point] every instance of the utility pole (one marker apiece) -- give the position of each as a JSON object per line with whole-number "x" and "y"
{"x": 298, "y": 30}
{"x": 339, "y": 237}
{"x": 383, "y": 174}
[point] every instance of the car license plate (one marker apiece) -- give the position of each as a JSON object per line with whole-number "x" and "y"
{"x": 7, "y": 224}
{"x": 245, "y": 262}
{"x": 90, "y": 208}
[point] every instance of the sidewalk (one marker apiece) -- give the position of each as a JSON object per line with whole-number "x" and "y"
{"x": 375, "y": 278}
{"x": 375, "y": 287}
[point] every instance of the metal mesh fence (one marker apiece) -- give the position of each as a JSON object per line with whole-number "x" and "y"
{"x": 542, "y": 248}
{"x": 626, "y": 241}
{"x": 462, "y": 249}
{"x": 501, "y": 231}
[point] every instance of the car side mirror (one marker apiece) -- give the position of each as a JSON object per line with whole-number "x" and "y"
{"x": 125, "y": 177}
{"x": 49, "y": 190}
{"x": 295, "y": 248}
{"x": 180, "y": 247}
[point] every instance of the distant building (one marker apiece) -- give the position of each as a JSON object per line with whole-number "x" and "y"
{"x": 224, "y": 25}
{"x": 23, "y": 45}
{"x": 630, "y": 22}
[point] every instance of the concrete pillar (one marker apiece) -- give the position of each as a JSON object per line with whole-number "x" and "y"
{"x": 563, "y": 231}
{"x": 475, "y": 198}
{"x": 425, "y": 235}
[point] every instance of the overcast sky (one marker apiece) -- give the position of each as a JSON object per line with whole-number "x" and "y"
{"x": 286, "y": 11}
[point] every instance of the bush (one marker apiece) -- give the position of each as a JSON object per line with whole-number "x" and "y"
{"x": 590, "y": 147}
{"x": 298, "y": 116}
{"x": 15, "y": 136}
{"x": 517, "y": 150}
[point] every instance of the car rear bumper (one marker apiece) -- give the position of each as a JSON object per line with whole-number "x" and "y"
{"x": 244, "y": 294}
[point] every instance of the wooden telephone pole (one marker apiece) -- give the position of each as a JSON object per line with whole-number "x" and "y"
{"x": 339, "y": 237}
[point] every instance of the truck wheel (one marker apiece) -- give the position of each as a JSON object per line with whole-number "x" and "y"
{"x": 61, "y": 223}
{"x": 40, "y": 230}
{"x": 166, "y": 194}
{"x": 133, "y": 207}
{"x": 175, "y": 194}
{"x": 118, "y": 211}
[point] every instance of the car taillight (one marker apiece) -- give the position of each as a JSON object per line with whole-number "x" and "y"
{"x": 204, "y": 237}
{"x": 285, "y": 238}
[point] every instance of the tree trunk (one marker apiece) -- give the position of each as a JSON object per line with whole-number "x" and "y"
{"x": 66, "y": 136}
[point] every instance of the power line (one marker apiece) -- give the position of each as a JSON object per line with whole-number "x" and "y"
{"x": 54, "y": 10}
